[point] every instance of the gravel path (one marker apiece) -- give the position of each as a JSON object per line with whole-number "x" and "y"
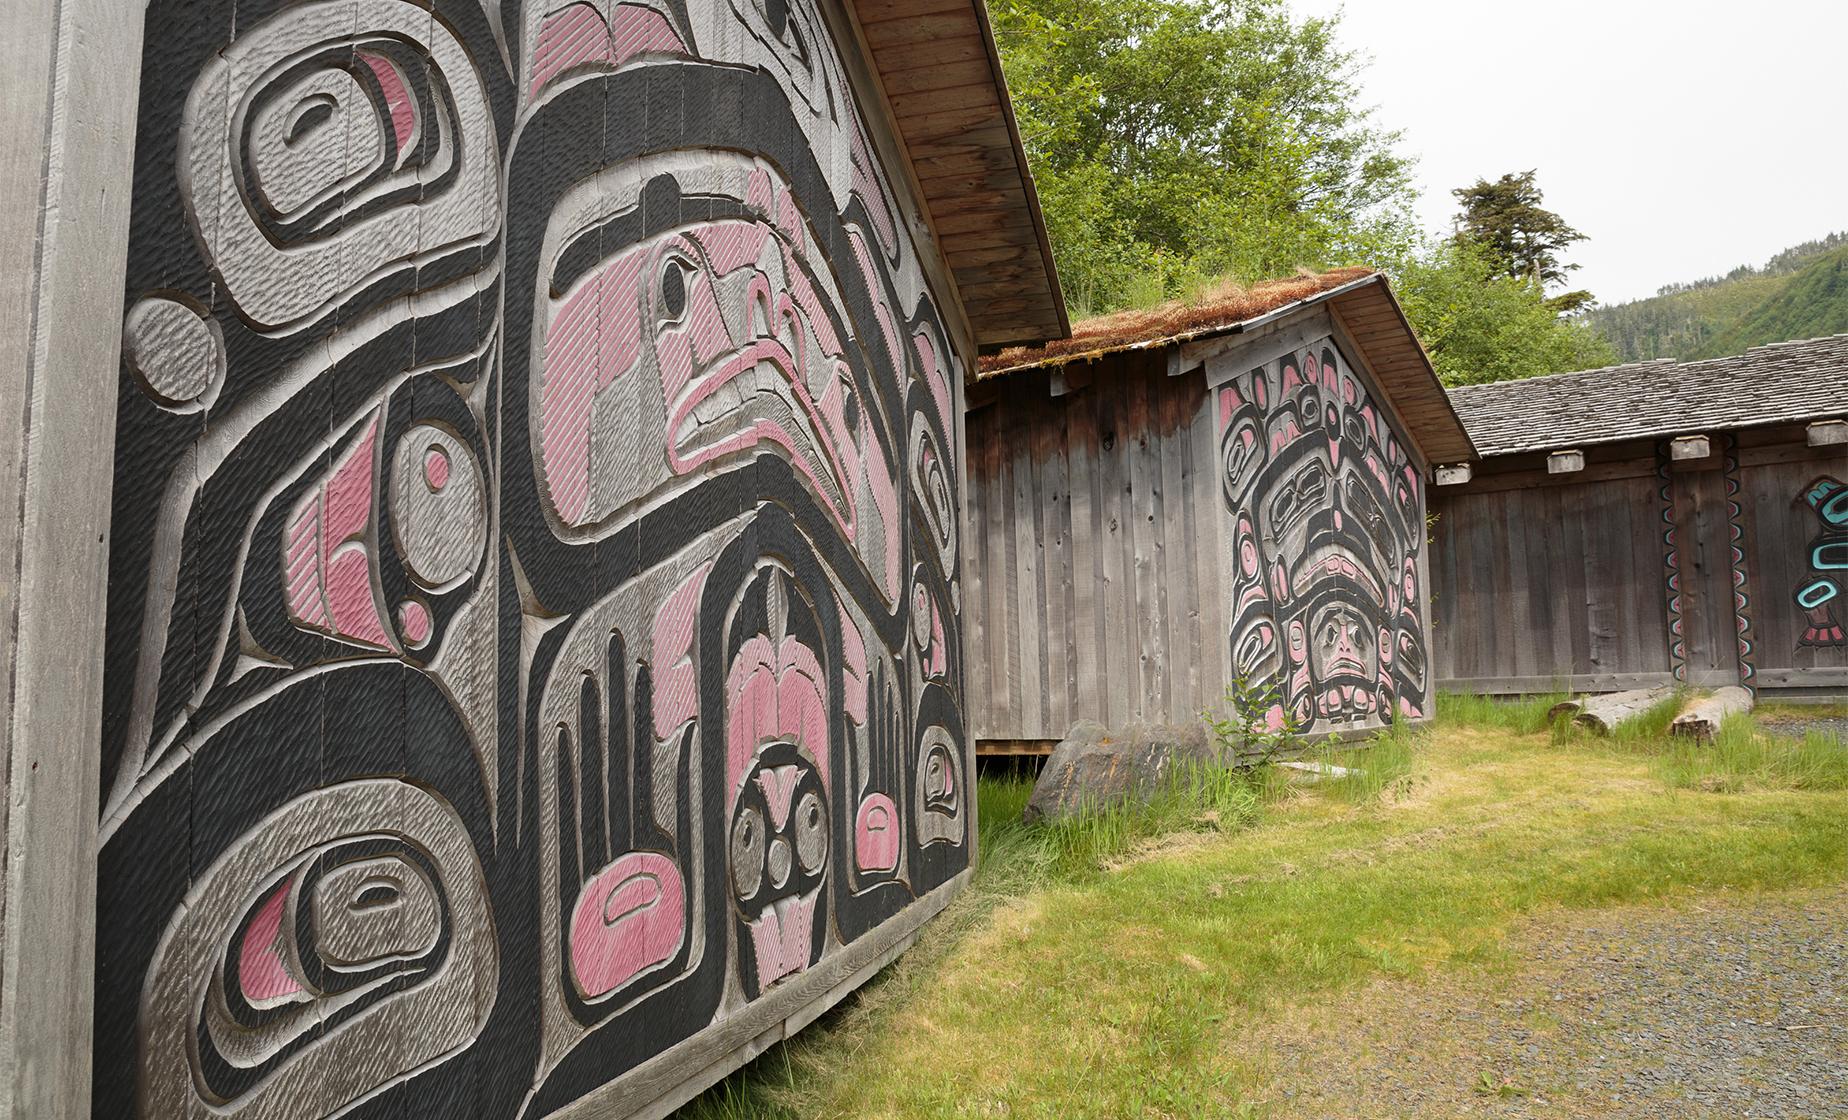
{"x": 1734, "y": 1008}
{"x": 1828, "y": 725}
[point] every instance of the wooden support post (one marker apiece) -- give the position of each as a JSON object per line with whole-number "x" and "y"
{"x": 1454, "y": 475}
{"x": 1686, "y": 448}
{"x": 69, "y": 77}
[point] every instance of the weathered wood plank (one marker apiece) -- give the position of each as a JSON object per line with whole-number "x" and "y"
{"x": 1142, "y": 538}
{"x": 1121, "y": 678}
{"x": 1080, "y": 432}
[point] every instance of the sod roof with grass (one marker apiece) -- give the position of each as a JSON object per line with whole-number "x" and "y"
{"x": 1218, "y": 308}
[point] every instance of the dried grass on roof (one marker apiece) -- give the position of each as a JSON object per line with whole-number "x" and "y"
{"x": 1220, "y": 306}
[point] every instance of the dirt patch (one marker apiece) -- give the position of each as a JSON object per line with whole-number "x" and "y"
{"x": 1736, "y": 1008}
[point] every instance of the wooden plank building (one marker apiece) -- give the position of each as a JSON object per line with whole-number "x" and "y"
{"x": 1168, "y": 500}
{"x": 1649, "y": 523}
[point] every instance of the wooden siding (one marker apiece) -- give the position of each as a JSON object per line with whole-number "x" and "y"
{"x": 1563, "y": 580}
{"x": 1098, "y": 571}
{"x": 1093, "y": 525}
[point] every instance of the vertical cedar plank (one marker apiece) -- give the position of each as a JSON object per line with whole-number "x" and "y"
{"x": 1087, "y": 616}
{"x": 1142, "y": 547}
{"x": 1038, "y": 618}
{"x": 974, "y": 556}
{"x": 1067, "y": 638}
{"x": 1183, "y": 517}
{"x": 1115, "y": 638}
{"x": 995, "y": 544}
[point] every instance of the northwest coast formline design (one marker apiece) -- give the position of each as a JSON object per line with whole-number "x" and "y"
{"x": 1327, "y": 532}
{"x": 533, "y": 643}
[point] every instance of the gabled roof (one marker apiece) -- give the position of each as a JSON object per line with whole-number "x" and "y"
{"x": 1780, "y": 383}
{"x": 936, "y": 62}
{"x": 1359, "y": 299}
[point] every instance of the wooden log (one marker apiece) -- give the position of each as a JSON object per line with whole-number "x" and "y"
{"x": 1702, "y": 717}
{"x": 1599, "y": 714}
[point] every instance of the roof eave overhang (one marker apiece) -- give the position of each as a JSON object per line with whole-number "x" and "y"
{"x": 954, "y": 125}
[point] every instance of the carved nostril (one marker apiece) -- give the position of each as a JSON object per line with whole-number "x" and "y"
{"x": 779, "y": 862}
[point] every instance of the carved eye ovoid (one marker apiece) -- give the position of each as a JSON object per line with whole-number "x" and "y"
{"x": 939, "y": 789}
{"x": 747, "y": 853}
{"x": 671, "y": 297}
{"x": 310, "y": 165}
{"x": 778, "y": 851}
{"x": 319, "y": 921}
{"x": 811, "y": 828}
{"x": 439, "y": 505}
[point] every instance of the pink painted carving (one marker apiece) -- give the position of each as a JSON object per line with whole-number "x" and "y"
{"x": 327, "y": 562}
{"x": 577, "y": 34}
{"x": 398, "y": 100}
{"x": 876, "y": 834}
{"x": 630, "y": 917}
{"x": 262, "y": 970}
{"x": 781, "y": 938}
{"x": 777, "y": 692}
{"x": 589, "y": 344}
{"x": 436, "y": 468}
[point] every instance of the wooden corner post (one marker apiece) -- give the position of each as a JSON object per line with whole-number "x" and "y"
{"x": 69, "y": 75}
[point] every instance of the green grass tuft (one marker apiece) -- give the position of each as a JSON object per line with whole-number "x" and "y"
{"x": 1744, "y": 756}
{"x": 1523, "y": 715}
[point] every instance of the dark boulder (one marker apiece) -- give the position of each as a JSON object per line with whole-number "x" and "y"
{"x": 1093, "y": 768}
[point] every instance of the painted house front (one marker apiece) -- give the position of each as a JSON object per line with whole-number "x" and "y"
{"x": 531, "y": 667}
{"x": 1652, "y": 524}
{"x": 1152, "y": 518}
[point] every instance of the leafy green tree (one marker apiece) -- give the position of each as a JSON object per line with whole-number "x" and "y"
{"x": 1522, "y": 238}
{"x": 1481, "y": 324}
{"x": 1178, "y": 140}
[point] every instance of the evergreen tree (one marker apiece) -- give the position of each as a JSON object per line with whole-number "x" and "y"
{"x": 1522, "y": 238}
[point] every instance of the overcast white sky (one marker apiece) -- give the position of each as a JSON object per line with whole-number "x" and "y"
{"x": 1683, "y": 138}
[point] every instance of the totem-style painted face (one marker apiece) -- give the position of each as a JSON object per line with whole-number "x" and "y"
{"x": 535, "y": 523}
{"x": 682, "y": 330}
{"x": 778, "y": 855}
{"x": 1324, "y": 544}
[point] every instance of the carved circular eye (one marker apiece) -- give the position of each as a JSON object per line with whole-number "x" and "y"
{"x": 747, "y": 853}
{"x": 673, "y": 289}
{"x": 811, "y": 833}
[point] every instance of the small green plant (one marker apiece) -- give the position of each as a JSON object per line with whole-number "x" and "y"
{"x": 1497, "y": 1085}
{"x": 1256, "y": 722}
{"x": 1524, "y": 715}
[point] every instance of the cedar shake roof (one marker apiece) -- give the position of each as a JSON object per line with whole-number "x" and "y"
{"x": 1359, "y": 301}
{"x": 1784, "y": 382}
{"x": 936, "y": 63}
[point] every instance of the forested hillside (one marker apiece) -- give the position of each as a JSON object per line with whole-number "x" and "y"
{"x": 1801, "y": 292}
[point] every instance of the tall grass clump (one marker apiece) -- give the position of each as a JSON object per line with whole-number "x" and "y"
{"x": 1194, "y": 798}
{"x": 1373, "y": 765}
{"x": 1524, "y": 715}
{"x": 1742, "y": 756}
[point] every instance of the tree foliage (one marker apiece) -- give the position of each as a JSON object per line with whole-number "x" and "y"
{"x": 1179, "y": 140}
{"x": 1522, "y": 238}
{"x": 1481, "y": 324}
{"x": 1704, "y": 318}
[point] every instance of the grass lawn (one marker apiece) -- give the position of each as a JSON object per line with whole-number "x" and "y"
{"x": 1114, "y": 969}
